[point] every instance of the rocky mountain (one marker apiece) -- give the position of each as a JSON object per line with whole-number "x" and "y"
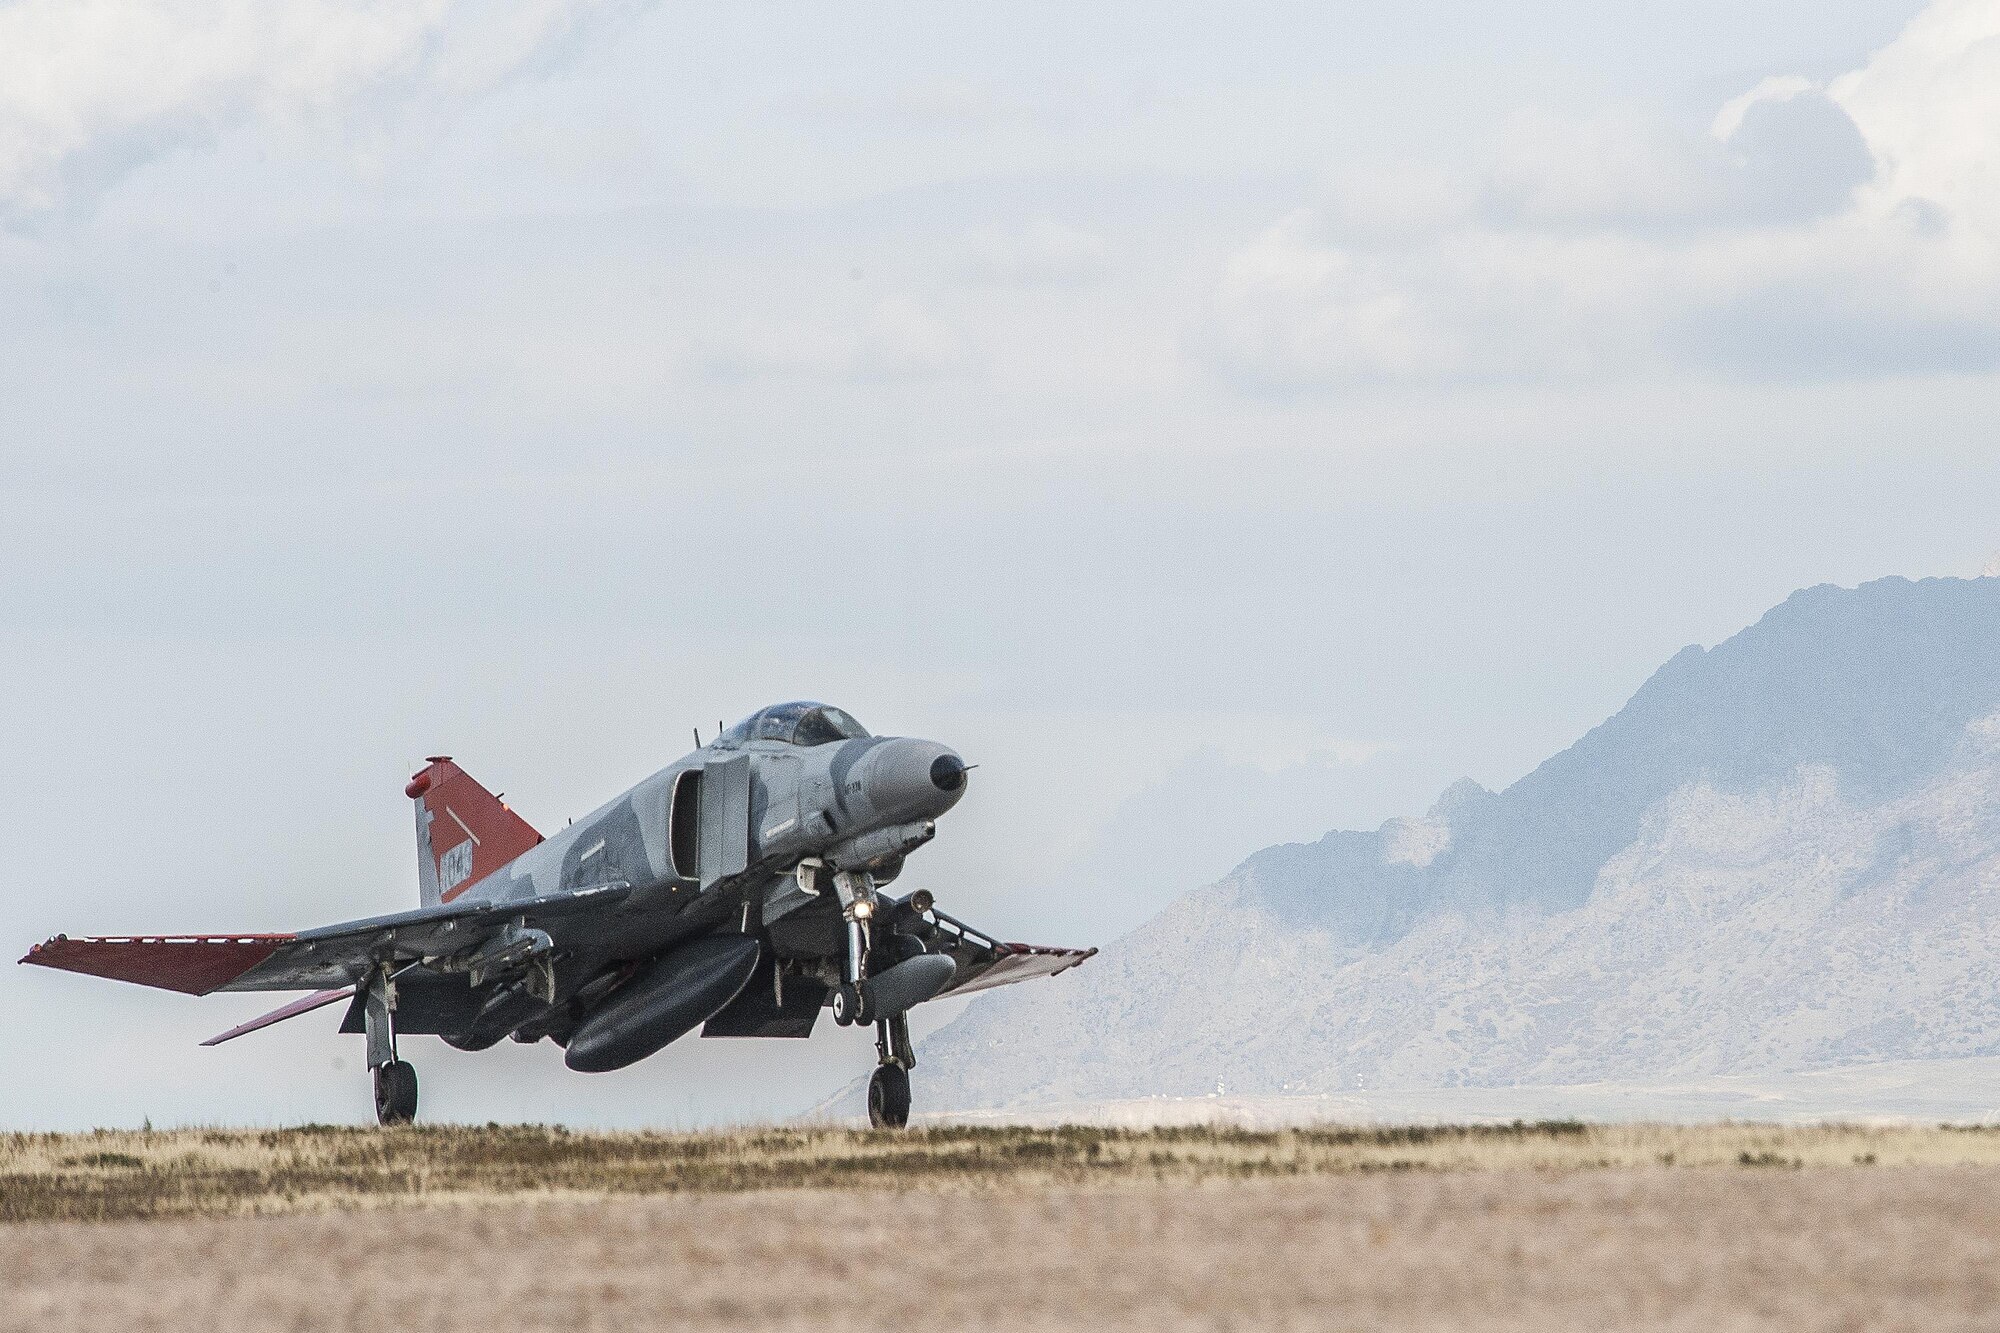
{"x": 1783, "y": 853}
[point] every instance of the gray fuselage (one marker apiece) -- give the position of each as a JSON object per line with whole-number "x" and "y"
{"x": 857, "y": 805}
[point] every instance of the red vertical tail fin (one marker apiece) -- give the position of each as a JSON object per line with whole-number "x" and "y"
{"x": 464, "y": 832}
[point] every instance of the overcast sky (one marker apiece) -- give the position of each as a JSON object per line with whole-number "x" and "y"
{"x": 1222, "y": 423}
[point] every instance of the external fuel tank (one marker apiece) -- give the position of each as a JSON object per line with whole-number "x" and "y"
{"x": 672, "y": 997}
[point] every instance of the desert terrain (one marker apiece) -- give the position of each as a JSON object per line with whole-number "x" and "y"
{"x": 1554, "y": 1226}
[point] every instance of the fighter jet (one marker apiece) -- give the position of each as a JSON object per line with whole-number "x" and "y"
{"x": 739, "y": 890}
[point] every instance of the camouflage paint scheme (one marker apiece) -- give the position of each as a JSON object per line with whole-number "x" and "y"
{"x": 778, "y": 834}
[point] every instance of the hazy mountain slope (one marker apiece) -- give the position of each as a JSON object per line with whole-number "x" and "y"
{"x": 1876, "y": 682}
{"x": 1782, "y": 853}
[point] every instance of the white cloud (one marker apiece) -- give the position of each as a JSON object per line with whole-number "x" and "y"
{"x": 90, "y": 88}
{"x": 1044, "y": 253}
{"x": 897, "y": 338}
{"x": 1845, "y": 229}
{"x": 940, "y": 104}
{"x": 1293, "y": 308}
{"x": 1398, "y": 200}
{"x": 1562, "y": 174}
{"x": 901, "y": 340}
{"x": 1780, "y": 88}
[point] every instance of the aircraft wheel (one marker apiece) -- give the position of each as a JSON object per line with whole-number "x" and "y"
{"x": 396, "y": 1093}
{"x": 889, "y": 1097}
{"x": 850, "y": 1005}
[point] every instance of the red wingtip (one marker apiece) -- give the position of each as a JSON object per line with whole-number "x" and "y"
{"x": 191, "y": 964}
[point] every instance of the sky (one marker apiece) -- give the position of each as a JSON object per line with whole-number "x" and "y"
{"x": 1222, "y": 424}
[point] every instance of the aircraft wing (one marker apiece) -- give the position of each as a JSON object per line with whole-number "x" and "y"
{"x": 324, "y": 959}
{"x": 984, "y": 962}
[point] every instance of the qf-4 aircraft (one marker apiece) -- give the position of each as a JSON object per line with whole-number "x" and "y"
{"x": 739, "y": 890}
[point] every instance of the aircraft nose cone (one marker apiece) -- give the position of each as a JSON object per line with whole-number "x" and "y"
{"x": 913, "y": 778}
{"x": 947, "y": 772}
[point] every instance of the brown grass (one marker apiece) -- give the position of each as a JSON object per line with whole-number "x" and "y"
{"x": 113, "y": 1175}
{"x": 1706, "y": 1251}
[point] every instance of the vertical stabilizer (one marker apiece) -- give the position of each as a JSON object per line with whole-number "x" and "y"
{"x": 464, "y": 832}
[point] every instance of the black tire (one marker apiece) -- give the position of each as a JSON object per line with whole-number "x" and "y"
{"x": 889, "y": 1097}
{"x": 850, "y": 1004}
{"x": 396, "y": 1093}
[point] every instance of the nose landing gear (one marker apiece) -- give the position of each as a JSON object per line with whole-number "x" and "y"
{"x": 850, "y": 1004}
{"x": 889, "y": 1086}
{"x": 856, "y": 891}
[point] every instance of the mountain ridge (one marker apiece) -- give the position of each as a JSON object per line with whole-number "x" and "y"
{"x": 1825, "y": 777}
{"x": 1583, "y": 803}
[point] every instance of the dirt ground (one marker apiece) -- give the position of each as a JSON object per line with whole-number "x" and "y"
{"x": 1710, "y": 1249}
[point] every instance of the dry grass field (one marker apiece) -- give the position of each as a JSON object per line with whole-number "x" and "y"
{"x": 1552, "y": 1227}
{"x": 116, "y": 1174}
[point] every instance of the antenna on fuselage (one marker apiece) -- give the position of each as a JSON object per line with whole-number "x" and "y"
{"x": 697, "y": 738}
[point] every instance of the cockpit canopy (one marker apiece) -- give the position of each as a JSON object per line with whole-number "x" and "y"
{"x": 800, "y": 723}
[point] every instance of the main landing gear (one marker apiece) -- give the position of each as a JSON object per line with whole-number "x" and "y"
{"x": 889, "y": 1087}
{"x": 889, "y": 1097}
{"x": 395, "y": 1093}
{"x": 395, "y": 1080}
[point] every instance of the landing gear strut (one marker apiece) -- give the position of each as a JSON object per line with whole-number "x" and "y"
{"x": 395, "y": 1080}
{"x": 856, "y": 891}
{"x": 889, "y": 1087}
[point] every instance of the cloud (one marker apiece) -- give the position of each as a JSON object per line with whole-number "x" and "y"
{"x": 1044, "y": 253}
{"x": 1780, "y": 88}
{"x": 895, "y": 339}
{"x": 1407, "y": 198}
{"x": 90, "y": 89}
{"x": 938, "y": 105}
{"x": 1843, "y": 229}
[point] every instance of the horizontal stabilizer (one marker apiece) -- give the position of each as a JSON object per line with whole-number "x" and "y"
{"x": 317, "y": 1000}
{"x": 982, "y": 961}
{"x": 1021, "y": 962}
{"x": 191, "y": 964}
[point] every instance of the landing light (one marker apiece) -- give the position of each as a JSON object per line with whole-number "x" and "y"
{"x": 863, "y": 910}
